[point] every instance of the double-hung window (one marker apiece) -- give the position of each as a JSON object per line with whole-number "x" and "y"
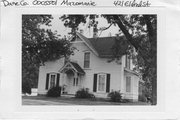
{"x": 86, "y": 59}
{"x": 101, "y": 83}
{"x": 52, "y": 80}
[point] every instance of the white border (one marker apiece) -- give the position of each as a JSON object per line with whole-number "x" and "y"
{"x": 11, "y": 85}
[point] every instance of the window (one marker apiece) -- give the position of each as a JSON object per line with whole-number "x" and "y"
{"x": 101, "y": 84}
{"x": 75, "y": 82}
{"x": 86, "y": 59}
{"x": 52, "y": 80}
{"x": 127, "y": 62}
{"x": 128, "y": 84}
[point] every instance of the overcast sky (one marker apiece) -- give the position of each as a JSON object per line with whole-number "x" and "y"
{"x": 62, "y": 30}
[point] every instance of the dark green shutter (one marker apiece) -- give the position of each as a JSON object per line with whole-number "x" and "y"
{"x": 95, "y": 83}
{"x": 47, "y": 81}
{"x": 57, "y": 82}
{"x": 108, "y": 83}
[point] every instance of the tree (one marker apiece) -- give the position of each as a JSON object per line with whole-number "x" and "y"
{"x": 39, "y": 45}
{"x": 141, "y": 34}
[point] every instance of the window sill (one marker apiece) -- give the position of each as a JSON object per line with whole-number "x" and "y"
{"x": 87, "y": 68}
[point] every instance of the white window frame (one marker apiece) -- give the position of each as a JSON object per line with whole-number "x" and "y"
{"x": 104, "y": 84}
{"x": 50, "y": 74}
{"x": 130, "y": 84}
{"x": 89, "y": 59}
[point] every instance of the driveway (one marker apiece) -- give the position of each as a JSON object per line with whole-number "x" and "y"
{"x": 43, "y": 100}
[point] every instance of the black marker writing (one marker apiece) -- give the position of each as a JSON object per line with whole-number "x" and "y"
{"x": 133, "y": 3}
{"x": 78, "y": 3}
{"x": 45, "y": 2}
{"x": 19, "y": 3}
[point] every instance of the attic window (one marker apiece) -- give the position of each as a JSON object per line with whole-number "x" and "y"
{"x": 86, "y": 59}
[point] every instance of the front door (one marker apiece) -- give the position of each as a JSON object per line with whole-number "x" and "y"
{"x": 73, "y": 84}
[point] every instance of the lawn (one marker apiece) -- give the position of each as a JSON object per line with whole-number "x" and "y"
{"x": 43, "y": 100}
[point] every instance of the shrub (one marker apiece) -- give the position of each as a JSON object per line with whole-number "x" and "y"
{"x": 54, "y": 92}
{"x": 115, "y": 96}
{"x": 142, "y": 98}
{"x": 84, "y": 93}
{"x": 26, "y": 87}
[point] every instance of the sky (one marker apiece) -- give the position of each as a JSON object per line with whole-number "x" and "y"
{"x": 57, "y": 25}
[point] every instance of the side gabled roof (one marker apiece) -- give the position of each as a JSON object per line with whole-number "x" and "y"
{"x": 102, "y": 46}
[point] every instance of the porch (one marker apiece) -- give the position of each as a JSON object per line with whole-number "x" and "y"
{"x": 72, "y": 78}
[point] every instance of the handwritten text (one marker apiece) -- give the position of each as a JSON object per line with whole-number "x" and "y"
{"x": 133, "y": 3}
{"x": 78, "y": 3}
{"x": 19, "y": 3}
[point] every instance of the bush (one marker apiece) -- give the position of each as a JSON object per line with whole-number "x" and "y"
{"x": 142, "y": 98}
{"x": 84, "y": 93}
{"x": 54, "y": 92}
{"x": 26, "y": 87}
{"x": 115, "y": 96}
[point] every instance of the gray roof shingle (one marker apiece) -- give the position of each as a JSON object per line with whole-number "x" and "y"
{"x": 103, "y": 45}
{"x": 77, "y": 67}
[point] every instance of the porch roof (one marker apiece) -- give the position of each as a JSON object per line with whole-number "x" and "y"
{"x": 74, "y": 66}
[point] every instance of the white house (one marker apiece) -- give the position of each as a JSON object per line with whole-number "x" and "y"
{"x": 89, "y": 68}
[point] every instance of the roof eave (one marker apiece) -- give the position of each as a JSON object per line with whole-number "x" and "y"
{"x": 93, "y": 49}
{"x": 132, "y": 71}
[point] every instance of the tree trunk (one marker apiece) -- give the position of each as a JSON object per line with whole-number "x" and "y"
{"x": 144, "y": 54}
{"x": 154, "y": 91}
